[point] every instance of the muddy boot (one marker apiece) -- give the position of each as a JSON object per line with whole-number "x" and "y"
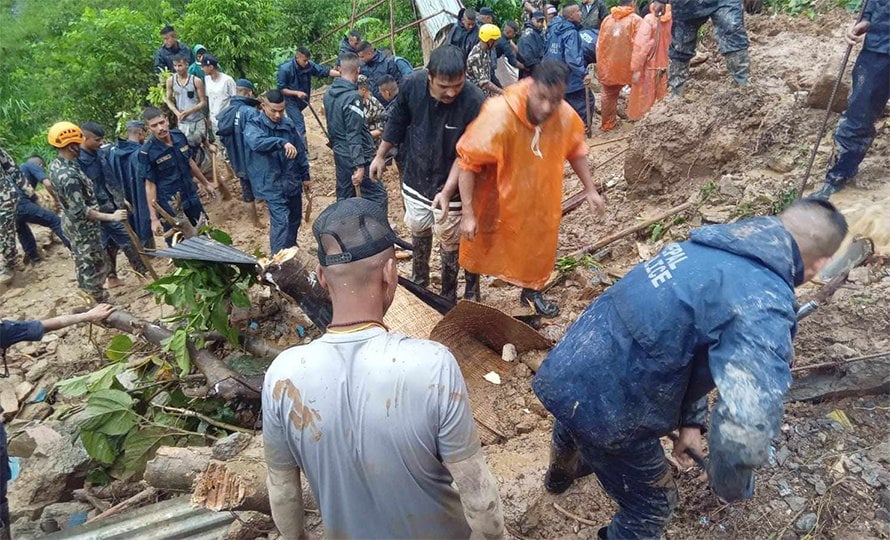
{"x": 561, "y": 472}
{"x": 252, "y": 214}
{"x": 420, "y": 262}
{"x": 112, "y": 278}
{"x": 678, "y": 74}
{"x": 738, "y": 64}
{"x": 450, "y": 269}
{"x": 472, "y": 288}
{"x": 542, "y": 306}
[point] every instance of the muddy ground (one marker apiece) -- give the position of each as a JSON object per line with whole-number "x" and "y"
{"x": 736, "y": 152}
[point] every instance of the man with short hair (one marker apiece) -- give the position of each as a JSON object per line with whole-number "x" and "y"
{"x": 232, "y": 123}
{"x": 350, "y": 139}
{"x": 511, "y": 177}
{"x": 124, "y": 158}
{"x": 195, "y": 67}
{"x": 187, "y": 99}
{"x": 369, "y": 415}
{"x": 389, "y": 89}
{"x": 372, "y": 107}
{"x": 278, "y": 168}
{"x": 531, "y": 44}
{"x": 164, "y": 55}
{"x": 464, "y": 33}
{"x": 351, "y": 42}
{"x": 564, "y": 44}
{"x": 294, "y": 79}
{"x": 81, "y": 216}
{"x": 593, "y": 12}
{"x": 220, "y": 87}
{"x": 94, "y": 160}
{"x": 529, "y": 7}
{"x": 433, "y": 110}
{"x": 375, "y": 65}
{"x": 480, "y": 63}
{"x": 718, "y": 310}
{"x": 169, "y": 170}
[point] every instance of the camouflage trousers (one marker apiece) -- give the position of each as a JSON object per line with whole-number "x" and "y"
{"x": 90, "y": 260}
{"x": 7, "y": 235}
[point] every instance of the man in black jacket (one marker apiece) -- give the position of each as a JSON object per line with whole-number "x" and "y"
{"x": 375, "y": 65}
{"x": 531, "y": 44}
{"x": 433, "y": 108}
{"x": 592, "y": 14}
{"x": 171, "y": 47}
{"x": 231, "y": 124}
{"x": 350, "y": 139}
{"x": 465, "y": 33}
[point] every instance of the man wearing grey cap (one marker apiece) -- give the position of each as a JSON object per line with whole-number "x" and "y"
{"x": 380, "y": 423}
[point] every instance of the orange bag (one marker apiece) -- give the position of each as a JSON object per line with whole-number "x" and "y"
{"x": 614, "y": 47}
{"x": 650, "y": 59}
{"x": 517, "y": 198}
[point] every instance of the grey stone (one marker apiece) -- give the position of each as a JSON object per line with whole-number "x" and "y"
{"x": 784, "y": 488}
{"x": 782, "y": 455}
{"x": 796, "y": 503}
{"x": 526, "y": 426}
{"x": 62, "y": 512}
{"x": 35, "y": 411}
{"x": 38, "y": 370}
{"x": 882, "y": 514}
{"x": 806, "y": 523}
{"x": 229, "y": 447}
{"x": 778, "y": 505}
{"x": 248, "y": 526}
{"x": 880, "y": 453}
{"x": 885, "y": 499}
{"x": 839, "y": 351}
{"x": 27, "y": 441}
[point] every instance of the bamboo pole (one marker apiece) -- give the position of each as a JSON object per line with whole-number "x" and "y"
{"x": 630, "y": 230}
{"x": 397, "y": 31}
{"x": 344, "y": 25}
{"x": 392, "y": 29}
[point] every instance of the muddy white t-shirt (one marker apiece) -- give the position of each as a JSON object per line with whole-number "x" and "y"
{"x": 369, "y": 417}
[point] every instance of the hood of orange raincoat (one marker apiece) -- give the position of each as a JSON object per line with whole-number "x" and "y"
{"x": 666, "y": 16}
{"x": 516, "y": 96}
{"x": 620, "y": 12}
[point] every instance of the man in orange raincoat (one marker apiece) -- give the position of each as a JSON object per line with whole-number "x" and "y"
{"x": 511, "y": 171}
{"x": 649, "y": 63}
{"x": 614, "y": 48}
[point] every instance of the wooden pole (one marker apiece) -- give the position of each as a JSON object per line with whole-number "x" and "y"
{"x": 392, "y": 29}
{"x": 630, "y": 230}
{"x": 344, "y": 25}
{"x": 399, "y": 31}
{"x": 352, "y": 20}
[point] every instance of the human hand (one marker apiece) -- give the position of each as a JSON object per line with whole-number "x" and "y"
{"x": 596, "y": 202}
{"x": 378, "y": 167}
{"x": 856, "y": 32}
{"x": 119, "y": 215}
{"x": 468, "y": 225}
{"x": 99, "y": 313}
{"x": 690, "y": 439}
{"x": 302, "y": 95}
{"x": 307, "y": 187}
{"x": 440, "y": 206}
{"x": 290, "y": 151}
{"x": 358, "y": 176}
{"x": 212, "y": 148}
{"x": 635, "y": 78}
{"x": 156, "y": 227}
{"x": 658, "y": 8}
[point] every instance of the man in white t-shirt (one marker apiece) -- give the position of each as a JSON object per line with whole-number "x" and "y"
{"x": 380, "y": 423}
{"x": 219, "y": 87}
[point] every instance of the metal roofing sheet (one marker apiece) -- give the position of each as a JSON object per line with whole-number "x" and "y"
{"x": 436, "y": 24}
{"x": 200, "y": 248}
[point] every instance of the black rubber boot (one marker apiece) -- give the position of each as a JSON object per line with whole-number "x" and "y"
{"x": 423, "y": 248}
{"x": 450, "y": 269}
{"x": 472, "y": 290}
{"x": 826, "y": 192}
{"x": 561, "y": 472}
{"x": 739, "y": 63}
{"x": 678, "y": 74}
{"x": 543, "y": 307}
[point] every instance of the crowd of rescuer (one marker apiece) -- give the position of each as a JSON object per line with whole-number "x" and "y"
{"x": 379, "y": 423}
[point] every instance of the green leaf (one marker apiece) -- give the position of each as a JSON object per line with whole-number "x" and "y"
{"x": 105, "y": 377}
{"x": 98, "y": 446}
{"x": 119, "y": 347}
{"x": 141, "y": 445}
{"x": 240, "y": 298}
{"x": 73, "y": 387}
{"x": 178, "y": 345}
{"x": 220, "y": 236}
{"x": 98, "y": 477}
{"x": 108, "y": 411}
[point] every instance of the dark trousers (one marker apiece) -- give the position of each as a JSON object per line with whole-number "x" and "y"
{"x": 729, "y": 29}
{"x": 371, "y": 190}
{"x": 295, "y": 114}
{"x": 637, "y": 478}
{"x": 578, "y": 101}
{"x": 5, "y": 477}
{"x": 284, "y": 221}
{"x": 114, "y": 238}
{"x": 856, "y": 130}
{"x": 27, "y": 211}
{"x": 246, "y": 190}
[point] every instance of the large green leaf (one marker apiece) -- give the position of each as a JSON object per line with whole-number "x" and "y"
{"x": 141, "y": 445}
{"x": 119, "y": 347}
{"x": 178, "y": 345}
{"x": 108, "y": 411}
{"x": 98, "y": 446}
{"x": 73, "y": 387}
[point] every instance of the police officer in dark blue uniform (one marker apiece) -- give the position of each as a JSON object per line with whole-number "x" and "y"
{"x": 716, "y": 310}
{"x": 868, "y": 97}
{"x": 278, "y": 168}
{"x": 294, "y": 79}
{"x": 124, "y": 159}
{"x": 168, "y": 171}
{"x": 231, "y": 123}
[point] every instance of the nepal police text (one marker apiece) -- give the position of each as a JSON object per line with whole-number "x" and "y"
{"x": 659, "y": 268}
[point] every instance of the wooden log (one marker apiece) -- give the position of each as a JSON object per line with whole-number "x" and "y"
{"x": 237, "y": 484}
{"x": 175, "y": 469}
{"x": 862, "y": 378}
{"x": 222, "y": 381}
{"x": 134, "y": 501}
{"x": 292, "y": 272}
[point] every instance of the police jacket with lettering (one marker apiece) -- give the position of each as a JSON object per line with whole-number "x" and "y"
{"x": 564, "y": 44}
{"x": 272, "y": 175}
{"x": 717, "y": 309}
{"x": 168, "y": 168}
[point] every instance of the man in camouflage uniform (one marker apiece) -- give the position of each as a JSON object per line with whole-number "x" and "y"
{"x": 10, "y": 178}
{"x": 480, "y": 63}
{"x": 374, "y": 111}
{"x": 80, "y": 214}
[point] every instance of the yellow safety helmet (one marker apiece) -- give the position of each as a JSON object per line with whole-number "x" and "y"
{"x": 61, "y": 134}
{"x": 489, "y": 32}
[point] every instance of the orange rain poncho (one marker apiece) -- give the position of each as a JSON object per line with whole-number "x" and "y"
{"x": 650, "y": 58}
{"x": 518, "y": 192}
{"x": 614, "y": 49}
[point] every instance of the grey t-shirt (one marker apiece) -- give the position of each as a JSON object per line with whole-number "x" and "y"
{"x": 369, "y": 417}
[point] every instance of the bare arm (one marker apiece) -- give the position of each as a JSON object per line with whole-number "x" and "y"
{"x": 286, "y": 499}
{"x": 579, "y": 165}
{"x": 196, "y": 172}
{"x": 151, "y": 197}
{"x": 170, "y": 100}
{"x": 98, "y": 313}
{"x": 95, "y": 215}
{"x": 466, "y": 181}
{"x": 479, "y": 496}
{"x": 334, "y": 73}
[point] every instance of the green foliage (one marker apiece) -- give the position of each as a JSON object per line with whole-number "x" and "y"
{"x": 570, "y": 263}
{"x": 784, "y": 199}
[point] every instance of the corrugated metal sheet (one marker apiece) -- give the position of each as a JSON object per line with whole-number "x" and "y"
{"x": 200, "y": 248}
{"x": 172, "y": 519}
{"x": 442, "y": 22}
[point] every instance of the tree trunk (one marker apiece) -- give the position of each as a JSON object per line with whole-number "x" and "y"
{"x": 292, "y": 272}
{"x": 237, "y": 484}
{"x": 176, "y": 468}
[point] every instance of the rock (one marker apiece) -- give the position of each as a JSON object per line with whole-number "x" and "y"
{"x": 780, "y": 164}
{"x": 820, "y": 92}
{"x": 796, "y": 503}
{"x": 22, "y": 390}
{"x": 880, "y": 453}
{"x": 24, "y": 528}
{"x": 38, "y": 369}
{"x": 778, "y": 505}
{"x": 727, "y": 186}
{"x": 859, "y": 275}
{"x": 875, "y": 475}
{"x": 885, "y": 498}
{"x": 526, "y": 426}
{"x": 820, "y": 486}
{"x": 229, "y": 447}
{"x": 553, "y": 332}
{"x": 8, "y": 400}
{"x": 35, "y": 411}
{"x": 782, "y": 455}
{"x": 716, "y": 214}
{"x": 66, "y": 514}
{"x": 839, "y": 350}
{"x": 248, "y": 526}
{"x": 538, "y": 408}
{"x": 805, "y": 523}
{"x": 522, "y": 371}
{"x": 26, "y": 442}
{"x": 508, "y": 354}
{"x": 883, "y": 514}
{"x": 784, "y": 488}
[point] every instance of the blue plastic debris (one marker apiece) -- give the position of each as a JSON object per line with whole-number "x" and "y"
{"x": 300, "y": 330}
{"x": 39, "y": 396}
{"x": 76, "y": 519}
{"x": 703, "y": 520}
{"x": 15, "y": 467}
{"x": 253, "y": 325}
